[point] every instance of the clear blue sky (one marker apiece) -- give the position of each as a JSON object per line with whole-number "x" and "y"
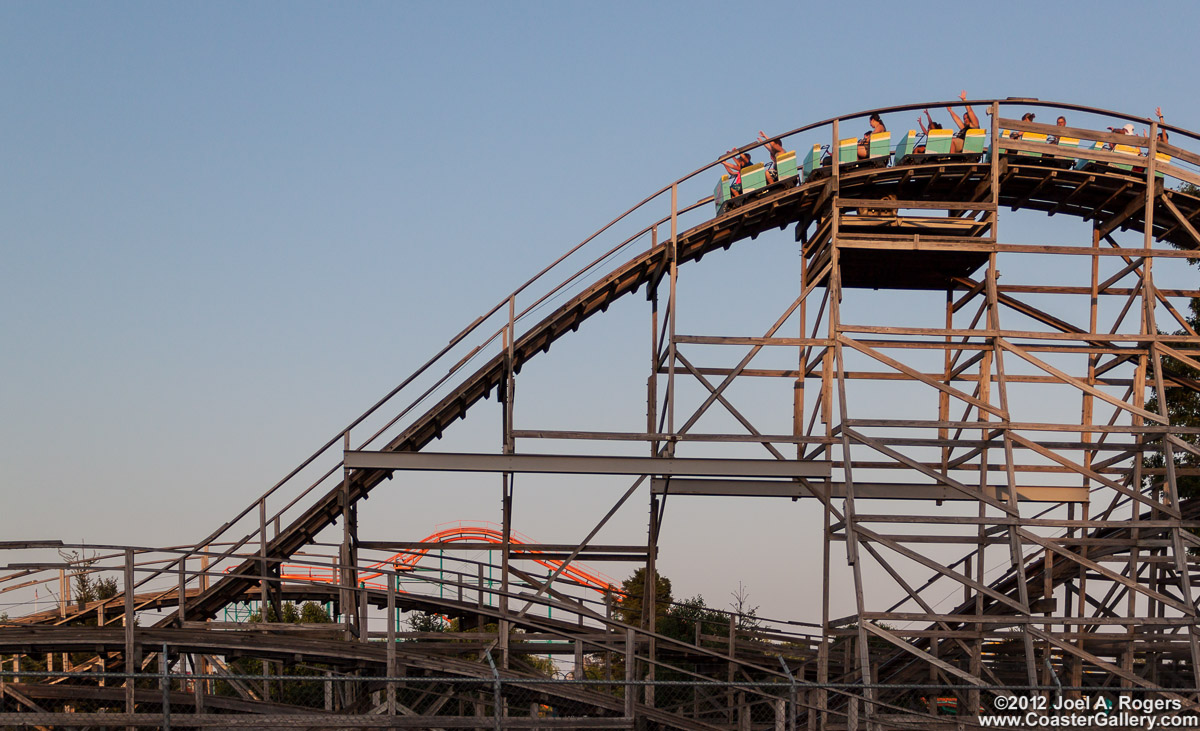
{"x": 227, "y": 228}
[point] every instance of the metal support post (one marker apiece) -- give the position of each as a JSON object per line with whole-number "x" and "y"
{"x": 497, "y": 698}
{"x": 791, "y": 705}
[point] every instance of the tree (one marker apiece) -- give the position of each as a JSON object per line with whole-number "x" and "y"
{"x": 747, "y": 616}
{"x": 628, "y": 608}
{"x": 426, "y": 622}
{"x": 88, "y": 588}
{"x": 692, "y": 617}
{"x": 307, "y": 613}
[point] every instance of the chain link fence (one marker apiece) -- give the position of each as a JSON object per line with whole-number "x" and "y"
{"x": 315, "y": 698}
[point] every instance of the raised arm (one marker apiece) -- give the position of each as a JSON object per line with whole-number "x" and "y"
{"x": 774, "y": 147}
{"x": 929, "y": 117}
{"x": 955, "y": 117}
{"x": 970, "y": 119}
{"x": 731, "y": 166}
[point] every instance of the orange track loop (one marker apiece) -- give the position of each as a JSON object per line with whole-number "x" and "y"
{"x": 408, "y": 560}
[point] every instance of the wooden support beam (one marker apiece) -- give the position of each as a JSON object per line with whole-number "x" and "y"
{"x": 862, "y": 490}
{"x": 583, "y": 464}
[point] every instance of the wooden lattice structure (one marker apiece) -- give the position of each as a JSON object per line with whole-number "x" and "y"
{"x": 1088, "y": 508}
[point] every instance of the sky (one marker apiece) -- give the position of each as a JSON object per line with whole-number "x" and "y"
{"x": 226, "y": 229}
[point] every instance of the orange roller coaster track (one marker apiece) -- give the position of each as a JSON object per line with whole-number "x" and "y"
{"x": 458, "y": 532}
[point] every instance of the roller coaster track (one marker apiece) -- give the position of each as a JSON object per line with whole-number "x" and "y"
{"x": 408, "y": 560}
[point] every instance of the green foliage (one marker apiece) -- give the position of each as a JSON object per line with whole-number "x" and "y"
{"x": 87, "y": 587}
{"x": 628, "y": 608}
{"x": 1189, "y": 189}
{"x": 536, "y": 663}
{"x": 307, "y": 613}
{"x": 688, "y": 621}
{"x": 428, "y": 622}
{"x": 691, "y": 617}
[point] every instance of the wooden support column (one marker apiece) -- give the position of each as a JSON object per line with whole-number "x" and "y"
{"x": 391, "y": 642}
{"x": 264, "y": 600}
{"x": 630, "y": 659}
{"x": 609, "y": 635}
{"x": 650, "y": 601}
{"x": 198, "y": 684}
{"x": 652, "y": 381}
{"x": 506, "y": 484}
{"x": 64, "y": 591}
{"x": 1087, "y": 419}
{"x": 348, "y": 591}
{"x": 128, "y": 619}
{"x": 1015, "y": 556}
{"x": 182, "y": 598}
{"x": 730, "y": 710}
{"x": 801, "y": 361}
{"x": 672, "y": 309}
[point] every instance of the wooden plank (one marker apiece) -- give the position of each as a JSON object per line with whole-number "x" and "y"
{"x": 862, "y": 490}
{"x": 1174, "y": 171}
{"x": 997, "y": 621}
{"x": 1125, "y": 292}
{"x": 913, "y": 204}
{"x": 1027, "y": 334}
{"x": 1025, "y": 522}
{"x": 916, "y": 243}
{"x": 1179, "y": 153}
{"x": 721, "y": 340}
{"x": 1079, "y": 133}
{"x": 1075, "y": 153}
{"x": 582, "y": 464}
{"x": 1083, "y": 251}
{"x": 1024, "y": 426}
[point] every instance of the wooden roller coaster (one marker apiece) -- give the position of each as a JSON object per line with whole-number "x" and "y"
{"x": 1043, "y": 432}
